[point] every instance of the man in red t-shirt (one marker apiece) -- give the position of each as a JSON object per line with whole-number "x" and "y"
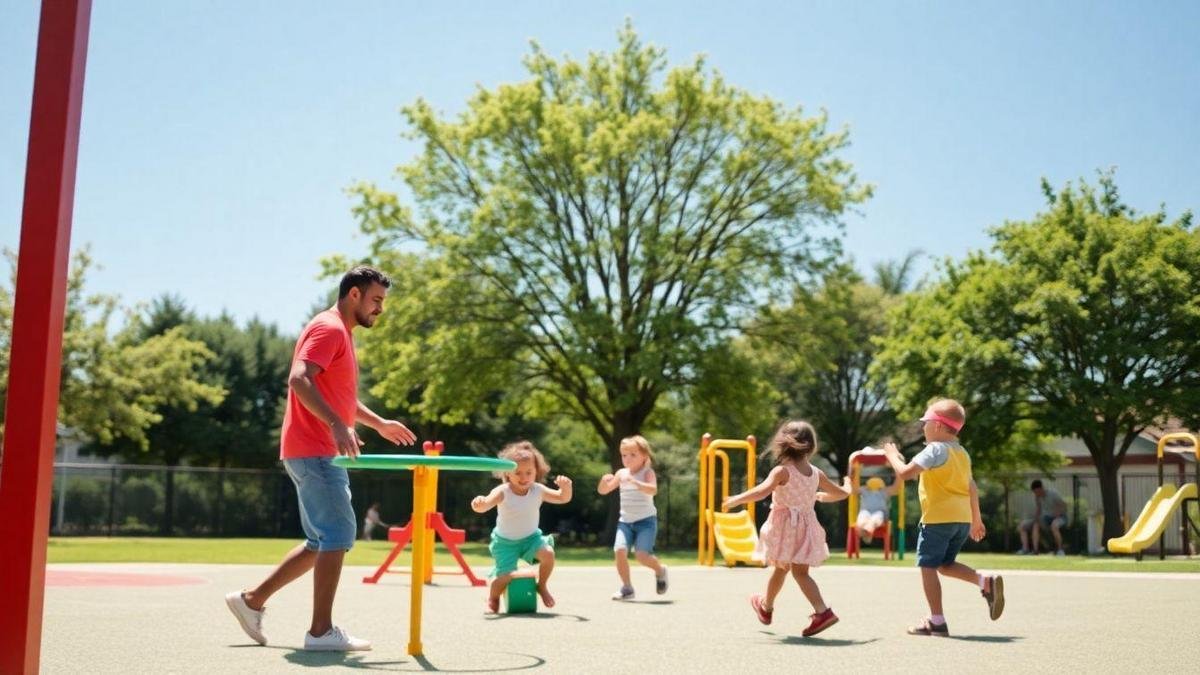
{"x": 322, "y": 408}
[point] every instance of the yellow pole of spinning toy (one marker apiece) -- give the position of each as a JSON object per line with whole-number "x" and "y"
{"x": 432, "y": 450}
{"x": 421, "y": 476}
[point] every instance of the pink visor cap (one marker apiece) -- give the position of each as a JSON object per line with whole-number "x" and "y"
{"x": 932, "y": 415}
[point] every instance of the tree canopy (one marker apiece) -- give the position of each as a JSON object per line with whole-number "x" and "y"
{"x": 1080, "y": 322}
{"x": 113, "y": 386}
{"x": 590, "y": 237}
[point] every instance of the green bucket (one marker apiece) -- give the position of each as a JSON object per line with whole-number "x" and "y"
{"x": 521, "y": 596}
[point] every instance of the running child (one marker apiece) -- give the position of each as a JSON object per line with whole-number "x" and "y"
{"x": 638, "y": 524}
{"x": 949, "y": 513}
{"x": 518, "y": 500}
{"x": 792, "y": 540}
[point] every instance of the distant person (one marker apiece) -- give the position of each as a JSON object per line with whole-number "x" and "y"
{"x": 872, "y": 505}
{"x": 371, "y": 521}
{"x": 1049, "y": 510}
{"x": 792, "y": 539}
{"x": 638, "y": 523}
{"x": 518, "y": 503}
{"x": 949, "y": 513}
{"x": 318, "y": 425}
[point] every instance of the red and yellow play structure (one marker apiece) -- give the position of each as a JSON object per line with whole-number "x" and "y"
{"x": 735, "y": 534}
{"x": 1152, "y": 522}
{"x": 894, "y": 526}
{"x": 435, "y": 528}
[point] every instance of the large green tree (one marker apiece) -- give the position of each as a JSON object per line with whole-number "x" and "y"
{"x": 249, "y": 364}
{"x": 817, "y": 351}
{"x": 1080, "y": 322}
{"x": 591, "y": 236}
{"x": 114, "y": 385}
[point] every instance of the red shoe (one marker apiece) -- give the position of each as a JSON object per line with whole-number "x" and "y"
{"x": 820, "y": 622}
{"x": 764, "y": 614}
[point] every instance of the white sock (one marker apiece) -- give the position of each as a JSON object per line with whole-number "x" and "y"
{"x": 937, "y": 619}
{"x": 982, "y": 581}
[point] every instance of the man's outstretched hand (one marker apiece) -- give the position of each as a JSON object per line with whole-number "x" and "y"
{"x": 396, "y": 432}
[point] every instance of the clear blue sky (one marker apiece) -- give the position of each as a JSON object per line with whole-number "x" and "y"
{"x": 218, "y": 137}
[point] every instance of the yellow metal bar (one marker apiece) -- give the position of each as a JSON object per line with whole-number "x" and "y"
{"x": 701, "y": 488}
{"x": 852, "y": 502}
{"x": 751, "y": 469}
{"x": 421, "y": 476}
{"x": 433, "y": 450}
{"x": 1162, "y": 443}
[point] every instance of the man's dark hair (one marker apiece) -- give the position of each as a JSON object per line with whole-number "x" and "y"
{"x": 362, "y": 277}
{"x": 1035, "y": 484}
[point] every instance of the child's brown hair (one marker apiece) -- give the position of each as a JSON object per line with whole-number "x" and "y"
{"x": 795, "y": 440}
{"x": 524, "y": 451}
{"x": 642, "y": 445}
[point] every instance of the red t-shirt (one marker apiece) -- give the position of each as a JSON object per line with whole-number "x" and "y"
{"x": 325, "y": 341}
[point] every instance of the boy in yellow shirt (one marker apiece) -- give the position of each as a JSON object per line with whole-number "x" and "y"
{"x": 949, "y": 512}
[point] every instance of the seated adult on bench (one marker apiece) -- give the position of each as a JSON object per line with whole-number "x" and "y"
{"x": 1050, "y": 510}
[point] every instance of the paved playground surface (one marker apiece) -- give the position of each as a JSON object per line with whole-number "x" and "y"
{"x": 174, "y": 620}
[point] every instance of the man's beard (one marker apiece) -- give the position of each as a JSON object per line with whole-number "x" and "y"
{"x": 365, "y": 320}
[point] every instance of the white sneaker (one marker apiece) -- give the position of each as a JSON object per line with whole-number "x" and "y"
{"x": 623, "y": 593}
{"x": 250, "y": 619}
{"x": 336, "y": 640}
{"x": 1060, "y": 553}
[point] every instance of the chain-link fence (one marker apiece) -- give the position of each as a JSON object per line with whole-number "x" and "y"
{"x": 110, "y": 500}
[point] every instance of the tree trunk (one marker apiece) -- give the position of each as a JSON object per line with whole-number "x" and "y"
{"x": 1110, "y": 495}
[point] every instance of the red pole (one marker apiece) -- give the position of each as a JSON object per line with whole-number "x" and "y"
{"x": 33, "y": 377}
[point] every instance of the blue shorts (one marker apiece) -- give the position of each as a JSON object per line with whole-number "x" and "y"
{"x": 640, "y": 533}
{"x": 506, "y": 553}
{"x": 324, "y": 494}
{"x": 939, "y": 543}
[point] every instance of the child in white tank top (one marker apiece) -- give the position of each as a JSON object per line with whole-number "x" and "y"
{"x": 638, "y": 524}
{"x": 518, "y": 500}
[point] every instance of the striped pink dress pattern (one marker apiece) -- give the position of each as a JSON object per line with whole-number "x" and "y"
{"x": 792, "y": 534}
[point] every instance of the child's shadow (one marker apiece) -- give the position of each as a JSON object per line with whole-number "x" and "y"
{"x": 535, "y": 615}
{"x": 987, "y": 638}
{"x": 816, "y": 641}
{"x": 650, "y": 602}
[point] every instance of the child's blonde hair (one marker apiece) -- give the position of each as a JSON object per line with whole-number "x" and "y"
{"x": 642, "y": 445}
{"x": 524, "y": 451}
{"x": 795, "y": 440}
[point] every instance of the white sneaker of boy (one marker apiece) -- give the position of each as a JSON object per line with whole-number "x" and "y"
{"x": 336, "y": 640}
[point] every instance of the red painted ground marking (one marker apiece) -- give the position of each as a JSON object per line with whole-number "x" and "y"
{"x": 73, "y": 578}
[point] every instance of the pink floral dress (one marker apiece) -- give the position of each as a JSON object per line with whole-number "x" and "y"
{"x": 792, "y": 535}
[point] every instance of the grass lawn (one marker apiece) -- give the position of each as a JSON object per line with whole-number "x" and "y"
{"x": 269, "y": 551}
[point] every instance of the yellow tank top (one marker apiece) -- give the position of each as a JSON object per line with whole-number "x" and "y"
{"x": 945, "y": 491}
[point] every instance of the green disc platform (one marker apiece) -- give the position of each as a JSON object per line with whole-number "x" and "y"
{"x": 440, "y": 462}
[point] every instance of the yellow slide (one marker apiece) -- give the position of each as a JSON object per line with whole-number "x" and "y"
{"x": 736, "y": 536}
{"x": 1153, "y": 519}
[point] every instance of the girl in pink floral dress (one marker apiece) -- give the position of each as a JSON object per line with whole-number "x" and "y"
{"x": 792, "y": 540}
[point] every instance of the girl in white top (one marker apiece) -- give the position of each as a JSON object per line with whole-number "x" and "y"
{"x": 518, "y": 500}
{"x": 638, "y": 524}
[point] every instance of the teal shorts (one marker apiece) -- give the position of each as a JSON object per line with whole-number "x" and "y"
{"x": 506, "y": 553}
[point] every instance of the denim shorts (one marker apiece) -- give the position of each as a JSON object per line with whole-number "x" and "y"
{"x": 640, "y": 533}
{"x": 325, "y": 511}
{"x": 939, "y": 543}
